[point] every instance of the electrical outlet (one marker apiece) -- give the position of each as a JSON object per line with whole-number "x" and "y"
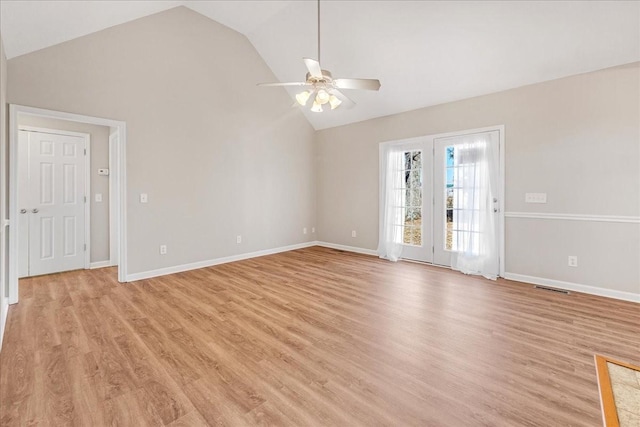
{"x": 313, "y": 229}
{"x": 238, "y": 239}
{"x": 163, "y": 249}
{"x": 144, "y": 198}
{"x": 98, "y": 197}
{"x": 573, "y": 261}
{"x": 304, "y": 230}
{"x": 353, "y": 233}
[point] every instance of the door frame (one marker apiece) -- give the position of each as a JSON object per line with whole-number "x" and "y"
{"x": 15, "y": 111}
{"x": 87, "y": 180}
{"x": 114, "y": 201}
{"x": 429, "y": 141}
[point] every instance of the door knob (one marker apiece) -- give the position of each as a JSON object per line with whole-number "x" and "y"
{"x": 35, "y": 210}
{"x": 23, "y": 211}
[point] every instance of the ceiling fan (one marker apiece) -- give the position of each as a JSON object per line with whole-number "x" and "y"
{"x": 322, "y": 88}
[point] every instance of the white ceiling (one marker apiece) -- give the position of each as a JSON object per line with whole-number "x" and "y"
{"x": 424, "y": 53}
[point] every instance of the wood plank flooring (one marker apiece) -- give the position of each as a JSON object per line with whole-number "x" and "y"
{"x": 304, "y": 338}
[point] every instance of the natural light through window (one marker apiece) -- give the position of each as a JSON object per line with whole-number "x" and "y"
{"x": 412, "y": 180}
{"x": 461, "y": 207}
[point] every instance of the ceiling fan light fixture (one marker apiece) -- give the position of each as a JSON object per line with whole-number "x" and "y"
{"x": 303, "y": 97}
{"x": 316, "y": 108}
{"x": 334, "y": 102}
{"x": 323, "y": 97}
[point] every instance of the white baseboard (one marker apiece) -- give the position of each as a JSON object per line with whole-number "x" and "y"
{"x": 100, "y": 264}
{"x": 576, "y": 287}
{"x": 347, "y": 248}
{"x": 208, "y": 263}
{"x": 610, "y": 293}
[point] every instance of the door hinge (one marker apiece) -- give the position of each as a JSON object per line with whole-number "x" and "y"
{"x": 85, "y": 151}
{"x": 85, "y": 199}
{"x": 85, "y": 247}
{"x": 433, "y": 249}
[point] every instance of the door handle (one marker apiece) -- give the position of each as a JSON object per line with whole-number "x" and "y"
{"x": 35, "y": 210}
{"x": 23, "y": 211}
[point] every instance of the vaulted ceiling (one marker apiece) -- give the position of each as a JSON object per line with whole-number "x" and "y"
{"x": 424, "y": 53}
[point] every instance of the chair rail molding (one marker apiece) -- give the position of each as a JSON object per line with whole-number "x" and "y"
{"x": 574, "y": 217}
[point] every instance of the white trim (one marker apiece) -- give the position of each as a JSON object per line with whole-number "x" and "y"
{"x": 52, "y": 114}
{"x": 347, "y": 248}
{"x": 13, "y": 261}
{"x": 208, "y": 263}
{"x": 586, "y": 289}
{"x": 100, "y": 264}
{"x": 52, "y": 131}
{"x": 502, "y": 183}
{"x": 574, "y": 217}
{"x": 114, "y": 168}
{"x": 87, "y": 201}
{"x": 16, "y": 110}
{"x": 122, "y": 202}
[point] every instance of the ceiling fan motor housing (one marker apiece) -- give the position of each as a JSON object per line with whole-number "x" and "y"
{"x": 327, "y": 78}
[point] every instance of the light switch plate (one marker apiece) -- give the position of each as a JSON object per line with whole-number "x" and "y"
{"x": 144, "y": 198}
{"x": 535, "y": 198}
{"x": 98, "y": 197}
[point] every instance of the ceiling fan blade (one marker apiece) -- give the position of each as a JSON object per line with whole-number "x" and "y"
{"x": 284, "y": 84}
{"x": 366, "y": 84}
{"x": 348, "y": 102}
{"x": 313, "y": 66}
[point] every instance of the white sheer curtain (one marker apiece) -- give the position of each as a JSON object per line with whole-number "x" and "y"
{"x": 475, "y": 197}
{"x": 391, "y": 206}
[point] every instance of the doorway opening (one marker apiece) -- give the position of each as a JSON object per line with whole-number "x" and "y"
{"x": 51, "y": 145}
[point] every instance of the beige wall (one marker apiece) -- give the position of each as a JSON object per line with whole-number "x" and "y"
{"x": 218, "y": 156}
{"x": 576, "y": 139}
{"x": 99, "y": 183}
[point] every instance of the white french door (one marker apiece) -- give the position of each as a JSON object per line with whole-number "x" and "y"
{"x": 461, "y": 223}
{"x": 445, "y": 210}
{"x": 52, "y": 203}
{"x": 416, "y": 201}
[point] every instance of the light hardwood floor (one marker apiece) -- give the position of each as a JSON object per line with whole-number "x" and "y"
{"x": 309, "y": 337}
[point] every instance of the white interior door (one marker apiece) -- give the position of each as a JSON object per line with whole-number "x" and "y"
{"x": 452, "y": 209}
{"x": 54, "y": 203}
{"x": 416, "y": 201}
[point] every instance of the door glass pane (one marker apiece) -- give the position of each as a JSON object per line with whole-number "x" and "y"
{"x": 462, "y": 205}
{"x": 450, "y": 197}
{"x": 412, "y": 200}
